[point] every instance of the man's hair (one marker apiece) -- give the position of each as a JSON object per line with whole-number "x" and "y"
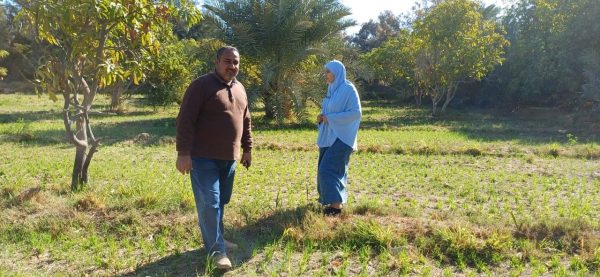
{"x": 225, "y": 48}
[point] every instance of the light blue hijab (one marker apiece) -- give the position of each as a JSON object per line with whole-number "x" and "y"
{"x": 342, "y": 108}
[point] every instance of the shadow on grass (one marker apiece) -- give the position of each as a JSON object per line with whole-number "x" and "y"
{"x": 29, "y": 116}
{"x": 251, "y": 238}
{"x": 161, "y": 130}
{"x": 481, "y": 125}
{"x": 57, "y": 115}
{"x": 158, "y": 131}
{"x": 190, "y": 263}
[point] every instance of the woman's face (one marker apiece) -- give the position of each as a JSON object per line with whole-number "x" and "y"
{"x": 329, "y": 76}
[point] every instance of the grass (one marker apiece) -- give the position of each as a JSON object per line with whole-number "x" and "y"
{"x": 470, "y": 193}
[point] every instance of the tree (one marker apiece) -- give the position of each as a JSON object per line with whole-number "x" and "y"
{"x": 4, "y": 43}
{"x": 92, "y": 44}
{"x": 170, "y": 72}
{"x": 543, "y": 65}
{"x": 280, "y": 35}
{"x": 3, "y": 71}
{"x": 3, "y": 34}
{"x": 393, "y": 63}
{"x": 374, "y": 33}
{"x": 20, "y": 45}
{"x": 590, "y": 90}
{"x": 456, "y": 44}
{"x": 582, "y": 38}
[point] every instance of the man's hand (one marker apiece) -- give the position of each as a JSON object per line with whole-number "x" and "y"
{"x": 184, "y": 164}
{"x": 321, "y": 118}
{"x": 246, "y": 159}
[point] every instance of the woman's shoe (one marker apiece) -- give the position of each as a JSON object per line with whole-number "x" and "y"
{"x": 330, "y": 211}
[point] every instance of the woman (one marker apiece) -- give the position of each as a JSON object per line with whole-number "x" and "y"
{"x": 338, "y": 127}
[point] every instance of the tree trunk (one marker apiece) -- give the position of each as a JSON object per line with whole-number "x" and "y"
{"x": 418, "y": 96}
{"x": 116, "y": 96}
{"x": 270, "y": 106}
{"x": 83, "y": 133}
{"x": 449, "y": 96}
{"x": 272, "y": 100}
{"x": 77, "y": 179}
{"x": 88, "y": 160}
{"x": 436, "y": 97}
{"x": 116, "y": 99}
{"x": 287, "y": 104}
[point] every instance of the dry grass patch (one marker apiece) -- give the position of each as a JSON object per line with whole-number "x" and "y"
{"x": 90, "y": 202}
{"x": 28, "y": 195}
{"x": 281, "y": 146}
{"x": 270, "y": 146}
{"x": 375, "y": 148}
{"x": 574, "y": 236}
{"x": 455, "y": 244}
{"x": 7, "y": 192}
{"x": 472, "y": 151}
{"x": 370, "y": 208}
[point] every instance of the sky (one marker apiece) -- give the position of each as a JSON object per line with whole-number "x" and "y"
{"x": 363, "y": 10}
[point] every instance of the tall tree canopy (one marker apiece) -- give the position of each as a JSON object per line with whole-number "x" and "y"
{"x": 456, "y": 44}
{"x": 449, "y": 43}
{"x": 373, "y": 34}
{"x": 91, "y": 44}
{"x": 280, "y": 36}
{"x": 552, "y": 42}
{"x": 3, "y": 70}
{"x": 4, "y": 37}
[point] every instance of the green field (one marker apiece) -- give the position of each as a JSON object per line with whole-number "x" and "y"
{"x": 467, "y": 193}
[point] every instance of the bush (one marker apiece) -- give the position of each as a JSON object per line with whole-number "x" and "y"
{"x": 3, "y": 71}
{"x": 171, "y": 72}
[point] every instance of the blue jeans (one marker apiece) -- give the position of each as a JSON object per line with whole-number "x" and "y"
{"x": 212, "y": 183}
{"x": 333, "y": 172}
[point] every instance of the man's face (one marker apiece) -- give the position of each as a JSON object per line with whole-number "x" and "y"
{"x": 228, "y": 65}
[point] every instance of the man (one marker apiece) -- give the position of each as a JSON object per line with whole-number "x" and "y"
{"x": 213, "y": 123}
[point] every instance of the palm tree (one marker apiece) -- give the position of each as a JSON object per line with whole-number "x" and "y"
{"x": 280, "y": 35}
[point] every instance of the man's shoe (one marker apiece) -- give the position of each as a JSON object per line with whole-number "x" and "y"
{"x": 222, "y": 262}
{"x": 230, "y": 245}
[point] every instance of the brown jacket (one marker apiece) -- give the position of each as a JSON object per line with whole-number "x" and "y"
{"x": 214, "y": 120}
